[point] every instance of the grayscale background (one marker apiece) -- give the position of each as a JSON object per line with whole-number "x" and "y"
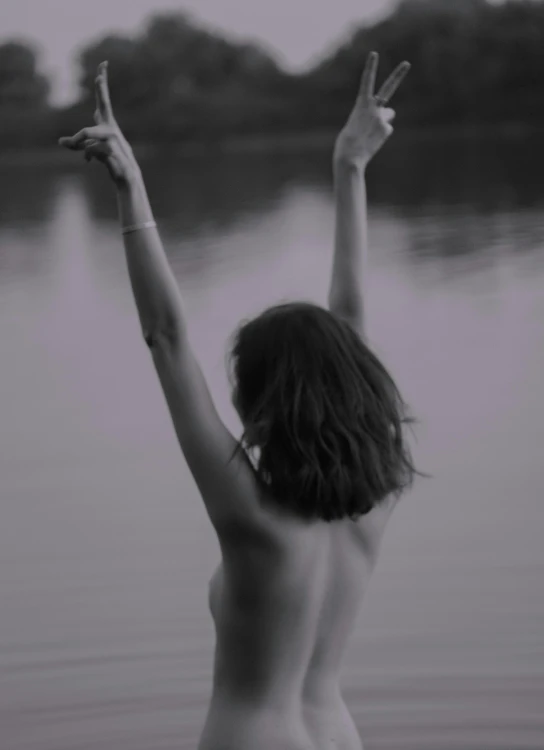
{"x": 105, "y": 549}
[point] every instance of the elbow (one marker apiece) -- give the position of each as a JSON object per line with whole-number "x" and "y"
{"x": 156, "y": 336}
{"x": 150, "y": 339}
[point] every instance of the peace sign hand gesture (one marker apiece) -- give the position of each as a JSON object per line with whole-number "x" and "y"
{"x": 105, "y": 141}
{"x": 369, "y": 124}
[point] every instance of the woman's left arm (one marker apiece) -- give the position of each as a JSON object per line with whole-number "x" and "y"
{"x": 156, "y": 292}
{"x": 228, "y": 485}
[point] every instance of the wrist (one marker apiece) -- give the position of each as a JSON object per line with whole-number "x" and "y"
{"x": 131, "y": 179}
{"x": 132, "y": 200}
{"x": 347, "y": 163}
{"x": 347, "y": 169}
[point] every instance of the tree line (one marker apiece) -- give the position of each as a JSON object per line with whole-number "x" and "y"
{"x": 473, "y": 63}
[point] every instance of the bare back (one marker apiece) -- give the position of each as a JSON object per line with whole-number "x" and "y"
{"x": 284, "y": 607}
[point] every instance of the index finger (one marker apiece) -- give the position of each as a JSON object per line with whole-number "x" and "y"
{"x": 97, "y": 132}
{"x": 393, "y": 82}
{"x": 368, "y": 79}
{"x": 102, "y": 91}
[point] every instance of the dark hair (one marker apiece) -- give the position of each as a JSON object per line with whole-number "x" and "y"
{"x": 322, "y": 410}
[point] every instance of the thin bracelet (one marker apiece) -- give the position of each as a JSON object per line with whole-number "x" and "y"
{"x": 136, "y": 227}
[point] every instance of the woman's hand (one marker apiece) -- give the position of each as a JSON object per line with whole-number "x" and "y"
{"x": 105, "y": 141}
{"x": 369, "y": 124}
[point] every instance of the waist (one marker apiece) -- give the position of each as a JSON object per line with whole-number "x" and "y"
{"x": 257, "y": 705}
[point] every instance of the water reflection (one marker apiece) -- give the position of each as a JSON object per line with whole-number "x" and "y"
{"x": 458, "y": 197}
{"x": 488, "y": 174}
{"x": 27, "y": 204}
{"x": 27, "y": 195}
{"x": 193, "y": 196}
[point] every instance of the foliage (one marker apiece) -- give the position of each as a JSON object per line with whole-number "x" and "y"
{"x": 473, "y": 62}
{"x": 178, "y": 80}
{"x": 23, "y": 95}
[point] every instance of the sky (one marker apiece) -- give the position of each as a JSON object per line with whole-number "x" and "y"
{"x": 296, "y": 31}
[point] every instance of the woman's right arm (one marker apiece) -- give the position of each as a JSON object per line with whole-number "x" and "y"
{"x": 350, "y": 242}
{"x": 367, "y": 129}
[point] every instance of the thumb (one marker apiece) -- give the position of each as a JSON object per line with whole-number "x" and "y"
{"x": 388, "y": 115}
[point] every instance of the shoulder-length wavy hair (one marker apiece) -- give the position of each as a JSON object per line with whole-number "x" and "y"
{"x": 322, "y": 410}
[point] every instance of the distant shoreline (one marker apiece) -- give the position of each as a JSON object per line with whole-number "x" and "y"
{"x": 271, "y": 144}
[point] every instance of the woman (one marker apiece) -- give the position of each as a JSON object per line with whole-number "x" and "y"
{"x": 300, "y": 525}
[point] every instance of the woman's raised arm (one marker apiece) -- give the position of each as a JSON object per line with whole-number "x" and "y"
{"x": 155, "y": 289}
{"x": 365, "y": 132}
{"x": 225, "y": 479}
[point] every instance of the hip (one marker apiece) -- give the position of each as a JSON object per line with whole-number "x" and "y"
{"x": 231, "y": 726}
{"x": 331, "y": 726}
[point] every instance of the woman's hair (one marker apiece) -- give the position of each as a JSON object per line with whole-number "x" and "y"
{"x": 322, "y": 410}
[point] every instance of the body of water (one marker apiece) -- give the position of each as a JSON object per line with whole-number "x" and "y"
{"x": 105, "y": 548}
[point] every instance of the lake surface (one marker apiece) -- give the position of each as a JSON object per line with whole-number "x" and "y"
{"x": 106, "y": 642}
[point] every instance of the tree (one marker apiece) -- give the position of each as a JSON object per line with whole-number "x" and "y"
{"x": 472, "y": 61}
{"x": 177, "y": 79}
{"x": 21, "y": 85}
{"x": 25, "y": 116}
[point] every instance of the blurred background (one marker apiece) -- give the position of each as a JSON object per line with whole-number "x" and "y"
{"x": 105, "y": 549}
